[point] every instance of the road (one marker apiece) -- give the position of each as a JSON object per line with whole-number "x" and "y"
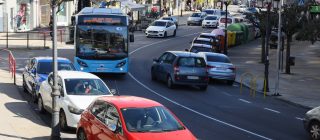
{"x": 221, "y": 112}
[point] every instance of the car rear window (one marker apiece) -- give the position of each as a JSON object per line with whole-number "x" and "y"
{"x": 191, "y": 62}
{"x": 202, "y": 42}
{"x": 197, "y": 49}
{"x": 223, "y": 20}
{"x": 196, "y": 15}
{"x": 222, "y": 59}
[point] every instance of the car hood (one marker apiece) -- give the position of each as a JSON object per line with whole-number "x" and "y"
{"x": 174, "y": 135}
{"x": 314, "y": 112}
{"x": 82, "y": 101}
{"x": 42, "y": 77}
{"x": 194, "y": 18}
{"x": 155, "y": 28}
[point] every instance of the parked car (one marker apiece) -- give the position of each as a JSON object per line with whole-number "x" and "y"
{"x": 214, "y": 38}
{"x": 161, "y": 28}
{"x": 210, "y": 21}
{"x": 219, "y": 66}
{"x": 130, "y": 118}
{"x": 311, "y": 123}
{"x": 196, "y": 18}
{"x": 37, "y": 70}
{"x": 180, "y": 68}
{"x": 173, "y": 19}
{"x": 205, "y": 41}
{"x": 77, "y": 89}
{"x": 195, "y": 48}
{"x": 242, "y": 8}
{"x": 230, "y": 20}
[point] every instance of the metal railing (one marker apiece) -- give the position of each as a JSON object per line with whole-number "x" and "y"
{"x": 12, "y": 64}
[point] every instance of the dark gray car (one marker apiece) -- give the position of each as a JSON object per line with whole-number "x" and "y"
{"x": 180, "y": 68}
{"x": 312, "y": 123}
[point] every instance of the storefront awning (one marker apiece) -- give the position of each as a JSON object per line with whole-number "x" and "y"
{"x": 125, "y": 4}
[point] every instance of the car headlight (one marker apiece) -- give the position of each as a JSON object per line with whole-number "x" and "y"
{"x": 161, "y": 31}
{"x": 75, "y": 110}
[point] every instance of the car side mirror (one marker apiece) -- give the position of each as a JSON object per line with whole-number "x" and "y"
{"x": 156, "y": 60}
{"x": 113, "y": 91}
{"x": 131, "y": 36}
{"x": 112, "y": 127}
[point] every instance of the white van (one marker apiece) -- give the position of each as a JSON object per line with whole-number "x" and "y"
{"x": 230, "y": 20}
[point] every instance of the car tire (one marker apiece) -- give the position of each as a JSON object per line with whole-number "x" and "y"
{"x": 165, "y": 35}
{"x": 314, "y": 130}
{"x": 170, "y": 82}
{"x": 230, "y": 82}
{"x": 40, "y": 105}
{"x": 81, "y": 135}
{"x": 174, "y": 33}
{"x": 24, "y": 85}
{"x": 34, "y": 97}
{"x": 203, "y": 88}
{"x": 63, "y": 121}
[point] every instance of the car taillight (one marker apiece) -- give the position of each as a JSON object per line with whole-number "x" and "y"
{"x": 232, "y": 68}
{"x": 210, "y": 67}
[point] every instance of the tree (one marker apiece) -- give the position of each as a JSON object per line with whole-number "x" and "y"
{"x": 290, "y": 25}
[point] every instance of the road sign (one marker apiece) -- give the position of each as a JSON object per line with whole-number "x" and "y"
{"x": 301, "y": 2}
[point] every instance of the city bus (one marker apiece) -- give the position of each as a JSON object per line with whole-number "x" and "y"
{"x": 101, "y": 40}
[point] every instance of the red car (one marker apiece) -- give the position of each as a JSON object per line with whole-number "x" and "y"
{"x": 130, "y": 118}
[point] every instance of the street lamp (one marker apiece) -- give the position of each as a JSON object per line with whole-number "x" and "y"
{"x": 266, "y": 62}
{"x": 276, "y": 93}
{"x": 225, "y": 49}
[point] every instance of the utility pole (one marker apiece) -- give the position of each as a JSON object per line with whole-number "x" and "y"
{"x": 276, "y": 93}
{"x": 266, "y": 64}
{"x": 225, "y": 48}
{"x": 55, "y": 129}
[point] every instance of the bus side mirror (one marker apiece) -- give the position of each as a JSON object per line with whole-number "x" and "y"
{"x": 131, "y": 36}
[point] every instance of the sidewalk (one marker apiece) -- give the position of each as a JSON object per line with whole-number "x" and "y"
{"x": 301, "y": 87}
{"x": 18, "y": 120}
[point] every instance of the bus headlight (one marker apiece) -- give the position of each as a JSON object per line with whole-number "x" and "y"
{"x": 122, "y": 63}
{"x": 81, "y": 63}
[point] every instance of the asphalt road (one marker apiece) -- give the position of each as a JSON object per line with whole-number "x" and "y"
{"x": 221, "y": 112}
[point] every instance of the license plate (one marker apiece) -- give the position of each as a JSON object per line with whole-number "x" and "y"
{"x": 193, "y": 77}
{"x": 102, "y": 69}
{"x": 221, "y": 68}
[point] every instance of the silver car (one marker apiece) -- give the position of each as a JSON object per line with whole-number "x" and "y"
{"x": 312, "y": 123}
{"x": 219, "y": 66}
{"x": 196, "y": 18}
{"x": 180, "y": 68}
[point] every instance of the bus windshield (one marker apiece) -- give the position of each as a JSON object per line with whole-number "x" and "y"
{"x": 101, "y": 42}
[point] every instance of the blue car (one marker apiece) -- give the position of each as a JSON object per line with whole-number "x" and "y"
{"x": 37, "y": 70}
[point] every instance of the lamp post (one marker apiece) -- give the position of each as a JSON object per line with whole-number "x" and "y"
{"x": 276, "y": 93}
{"x": 225, "y": 49}
{"x": 266, "y": 63}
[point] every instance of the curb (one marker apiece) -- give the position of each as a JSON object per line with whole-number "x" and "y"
{"x": 30, "y": 48}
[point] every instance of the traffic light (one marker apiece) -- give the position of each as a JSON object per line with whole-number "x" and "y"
{"x": 51, "y": 27}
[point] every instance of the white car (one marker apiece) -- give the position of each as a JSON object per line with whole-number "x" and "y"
{"x": 161, "y": 28}
{"x": 230, "y": 20}
{"x": 210, "y": 21}
{"x": 77, "y": 89}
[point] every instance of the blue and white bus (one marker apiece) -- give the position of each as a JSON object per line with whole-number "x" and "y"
{"x": 101, "y": 40}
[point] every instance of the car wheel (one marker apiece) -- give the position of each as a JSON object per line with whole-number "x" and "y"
{"x": 188, "y": 24}
{"x": 314, "y": 130}
{"x": 170, "y": 82}
{"x": 81, "y": 135}
{"x": 63, "y": 120}
{"x": 165, "y": 35}
{"x": 230, "y": 82}
{"x": 24, "y": 85}
{"x": 203, "y": 88}
{"x": 153, "y": 76}
{"x": 40, "y": 105}
{"x": 174, "y": 33}
{"x": 34, "y": 95}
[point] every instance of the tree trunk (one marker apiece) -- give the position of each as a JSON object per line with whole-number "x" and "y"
{"x": 288, "y": 54}
{"x": 263, "y": 48}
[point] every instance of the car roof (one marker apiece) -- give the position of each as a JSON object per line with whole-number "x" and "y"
{"x": 184, "y": 54}
{"x": 200, "y": 45}
{"x": 129, "y": 101}
{"x": 212, "y": 54}
{"x": 50, "y": 59}
{"x": 208, "y": 34}
{"x": 76, "y": 75}
{"x": 203, "y": 39}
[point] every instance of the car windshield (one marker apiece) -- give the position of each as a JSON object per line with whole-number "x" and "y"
{"x": 151, "y": 119}
{"x": 46, "y": 67}
{"x": 197, "y": 49}
{"x": 209, "y": 12}
{"x": 166, "y": 18}
{"x": 86, "y": 87}
{"x": 211, "y": 18}
{"x": 221, "y": 59}
{"x": 202, "y": 42}
{"x": 196, "y": 15}
{"x": 191, "y": 62}
{"x": 159, "y": 23}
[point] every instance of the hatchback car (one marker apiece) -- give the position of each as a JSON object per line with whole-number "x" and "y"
{"x": 130, "y": 118}
{"x": 195, "y": 48}
{"x": 180, "y": 68}
{"x": 219, "y": 67}
{"x": 161, "y": 28}
{"x": 37, "y": 70}
{"x": 77, "y": 89}
{"x": 210, "y": 21}
{"x": 312, "y": 123}
{"x": 196, "y": 18}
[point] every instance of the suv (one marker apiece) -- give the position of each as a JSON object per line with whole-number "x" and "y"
{"x": 180, "y": 68}
{"x": 196, "y": 18}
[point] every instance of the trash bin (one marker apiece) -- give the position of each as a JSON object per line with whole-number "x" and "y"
{"x": 238, "y": 38}
{"x": 292, "y": 60}
{"x": 231, "y": 38}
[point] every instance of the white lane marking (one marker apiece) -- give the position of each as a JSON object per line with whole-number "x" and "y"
{"x": 187, "y": 108}
{"x": 194, "y": 111}
{"x": 275, "y": 111}
{"x": 226, "y": 93}
{"x": 243, "y": 100}
{"x": 301, "y": 119}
